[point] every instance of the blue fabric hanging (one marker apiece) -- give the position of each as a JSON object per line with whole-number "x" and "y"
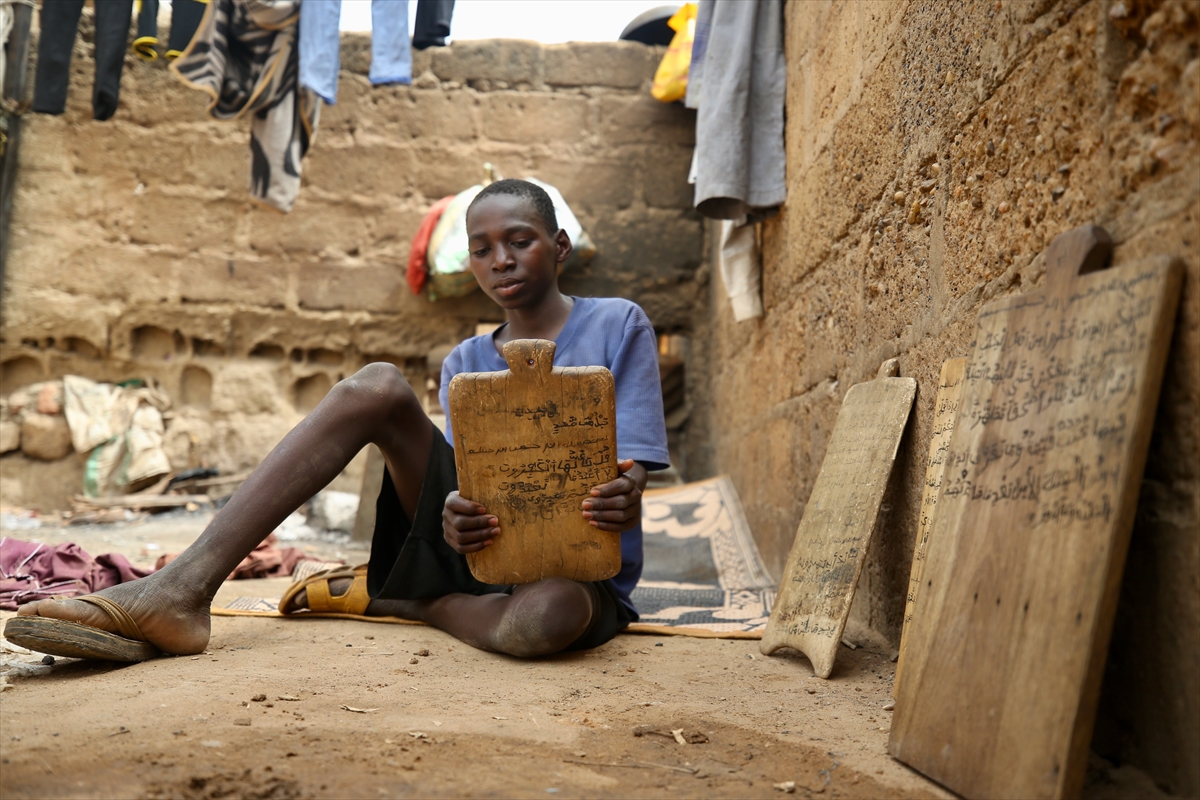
{"x": 320, "y": 45}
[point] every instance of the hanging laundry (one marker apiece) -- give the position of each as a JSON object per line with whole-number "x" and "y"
{"x": 433, "y": 23}
{"x": 741, "y": 268}
{"x": 700, "y": 32}
{"x": 146, "y": 41}
{"x": 320, "y": 45}
{"x": 418, "y": 266}
{"x": 185, "y": 20}
{"x": 244, "y": 56}
{"x": 737, "y": 81}
{"x": 59, "y": 25}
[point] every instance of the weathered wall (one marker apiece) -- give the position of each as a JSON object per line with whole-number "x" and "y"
{"x": 1007, "y": 123}
{"x": 135, "y": 252}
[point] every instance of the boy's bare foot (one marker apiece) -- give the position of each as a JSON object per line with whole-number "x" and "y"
{"x": 171, "y": 617}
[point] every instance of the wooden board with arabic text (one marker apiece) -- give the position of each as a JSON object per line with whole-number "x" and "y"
{"x": 1011, "y": 627}
{"x": 945, "y": 410}
{"x": 831, "y": 543}
{"x": 530, "y": 443}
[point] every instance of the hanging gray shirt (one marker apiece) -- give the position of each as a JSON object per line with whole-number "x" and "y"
{"x": 737, "y": 80}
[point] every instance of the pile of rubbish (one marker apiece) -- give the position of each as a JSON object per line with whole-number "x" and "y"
{"x": 120, "y": 427}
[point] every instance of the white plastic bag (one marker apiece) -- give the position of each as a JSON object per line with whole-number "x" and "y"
{"x": 449, "y": 252}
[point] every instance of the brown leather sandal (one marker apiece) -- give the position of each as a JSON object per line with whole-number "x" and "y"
{"x": 60, "y": 637}
{"x": 320, "y": 600}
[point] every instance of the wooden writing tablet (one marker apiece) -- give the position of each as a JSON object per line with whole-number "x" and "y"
{"x": 1010, "y": 630}
{"x": 831, "y": 543}
{"x": 945, "y": 411}
{"x": 530, "y": 443}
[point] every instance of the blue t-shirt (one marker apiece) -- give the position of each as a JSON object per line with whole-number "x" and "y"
{"x": 600, "y": 332}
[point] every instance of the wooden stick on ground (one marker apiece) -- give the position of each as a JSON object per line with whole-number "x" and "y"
{"x": 136, "y": 501}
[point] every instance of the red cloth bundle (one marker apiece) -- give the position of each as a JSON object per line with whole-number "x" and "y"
{"x": 418, "y": 271}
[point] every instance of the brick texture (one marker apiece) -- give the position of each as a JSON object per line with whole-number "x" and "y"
{"x": 1004, "y": 107}
{"x": 135, "y": 252}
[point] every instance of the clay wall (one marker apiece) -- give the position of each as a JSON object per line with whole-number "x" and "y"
{"x": 1005, "y": 123}
{"x": 135, "y": 252}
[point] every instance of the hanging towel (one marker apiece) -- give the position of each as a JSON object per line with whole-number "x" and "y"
{"x": 433, "y": 23}
{"x": 59, "y": 24}
{"x": 737, "y": 82}
{"x": 146, "y": 41}
{"x": 185, "y": 19}
{"x": 244, "y": 57}
{"x": 320, "y": 45}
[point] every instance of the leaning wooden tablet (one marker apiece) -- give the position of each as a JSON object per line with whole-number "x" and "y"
{"x": 831, "y": 543}
{"x": 530, "y": 443}
{"x": 1010, "y": 631}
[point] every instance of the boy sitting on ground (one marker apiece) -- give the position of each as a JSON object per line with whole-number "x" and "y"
{"x": 418, "y": 569}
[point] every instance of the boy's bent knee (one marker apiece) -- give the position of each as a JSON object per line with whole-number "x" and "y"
{"x": 380, "y": 387}
{"x": 546, "y": 617}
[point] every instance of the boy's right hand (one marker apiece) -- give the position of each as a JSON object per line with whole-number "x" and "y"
{"x": 466, "y": 525}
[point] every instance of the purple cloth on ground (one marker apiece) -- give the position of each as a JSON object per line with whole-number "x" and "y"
{"x": 31, "y": 571}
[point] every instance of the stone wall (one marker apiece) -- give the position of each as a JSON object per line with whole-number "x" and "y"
{"x": 1005, "y": 123}
{"x": 135, "y": 252}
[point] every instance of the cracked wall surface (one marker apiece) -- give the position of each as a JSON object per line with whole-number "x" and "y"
{"x": 135, "y": 252}
{"x": 933, "y": 151}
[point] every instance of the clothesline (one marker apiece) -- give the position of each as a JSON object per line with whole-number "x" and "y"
{"x": 276, "y": 70}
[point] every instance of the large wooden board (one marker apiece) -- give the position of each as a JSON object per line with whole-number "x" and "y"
{"x": 1010, "y": 630}
{"x": 945, "y": 410}
{"x": 530, "y": 443}
{"x": 831, "y": 544}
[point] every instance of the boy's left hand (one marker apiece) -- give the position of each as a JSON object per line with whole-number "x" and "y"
{"x": 616, "y": 506}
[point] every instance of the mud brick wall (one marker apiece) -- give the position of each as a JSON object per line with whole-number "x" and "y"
{"x": 1005, "y": 122}
{"x": 136, "y": 253}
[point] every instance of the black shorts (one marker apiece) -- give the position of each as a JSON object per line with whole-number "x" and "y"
{"x": 410, "y": 560}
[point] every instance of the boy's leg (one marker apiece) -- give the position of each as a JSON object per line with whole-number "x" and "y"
{"x": 375, "y": 405}
{"x": 537, "y": 619}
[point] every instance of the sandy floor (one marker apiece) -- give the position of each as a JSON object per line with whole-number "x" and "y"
{"x": 328, "y": 708}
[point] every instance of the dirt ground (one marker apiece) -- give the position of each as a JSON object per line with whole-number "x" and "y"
{"x": 338, "y": 709}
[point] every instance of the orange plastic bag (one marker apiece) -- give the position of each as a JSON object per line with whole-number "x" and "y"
{"x": 670, "y": 81}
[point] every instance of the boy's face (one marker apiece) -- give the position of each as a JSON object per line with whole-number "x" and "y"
{"x": 513, "y": 256}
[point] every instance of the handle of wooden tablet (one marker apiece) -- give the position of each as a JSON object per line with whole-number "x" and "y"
{"x": 529, "y": 357}
{"x": 1076, "y": 252}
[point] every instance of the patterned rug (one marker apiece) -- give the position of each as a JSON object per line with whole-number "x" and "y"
{"x": 703, "y": 575}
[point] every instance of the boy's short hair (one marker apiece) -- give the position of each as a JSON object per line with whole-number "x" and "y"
{"x": 535, "y": 194}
